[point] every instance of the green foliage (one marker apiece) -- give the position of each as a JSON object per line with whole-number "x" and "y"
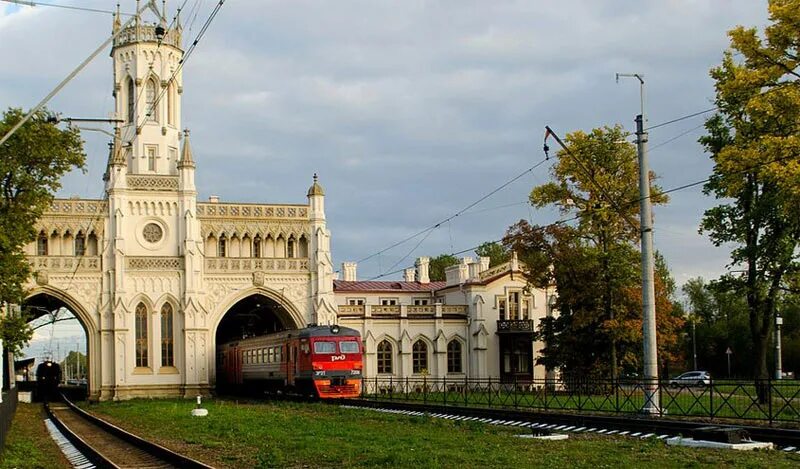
{"x": 595, "y": 263}
{"x": 439, "y": 264}
{"x": 15, "y": 332}
{"x": 753, "y": 141}
{"x": 32, "y": 162}
{"x": 495, "y": 251}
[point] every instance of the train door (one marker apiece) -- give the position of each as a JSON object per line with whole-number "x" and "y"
{"x": 291, "y": 365}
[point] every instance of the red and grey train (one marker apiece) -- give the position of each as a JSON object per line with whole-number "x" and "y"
{"x": 323, "y": 361}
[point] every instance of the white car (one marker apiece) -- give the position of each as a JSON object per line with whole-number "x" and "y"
{"x": 692, "y": 378}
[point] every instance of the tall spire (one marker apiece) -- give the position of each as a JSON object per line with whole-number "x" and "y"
{"x": 186, "y": 154}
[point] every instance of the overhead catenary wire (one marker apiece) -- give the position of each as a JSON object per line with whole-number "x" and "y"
{"x": 183, "y": 60}
{"x": 66, "y": 7}
{"x": 630, "y": 202}
{"x": 457, "y": 214}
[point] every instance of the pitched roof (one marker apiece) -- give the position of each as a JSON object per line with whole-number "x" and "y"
{"x": 366, "y": 286}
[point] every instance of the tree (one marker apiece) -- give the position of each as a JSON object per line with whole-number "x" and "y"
{"x": 32, "y": 163}
{"x": 592, "y": 182}
{"x": 753, "y": 142}
{"x": 439, "y": 264}
{"x": 495, "y": 251}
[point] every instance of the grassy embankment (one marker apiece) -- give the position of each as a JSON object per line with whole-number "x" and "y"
{"x": 28, "y": 444}
{"x": 247, "y": 434}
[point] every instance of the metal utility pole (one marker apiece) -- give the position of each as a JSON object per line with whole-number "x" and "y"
{"x": 651, "y": 403}
{"x": 778, "y": 363}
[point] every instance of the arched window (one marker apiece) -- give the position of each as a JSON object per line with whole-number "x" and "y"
{"x": 454, "y": 356}
{"x": 384, "y": 357}
{"x": 150, "y": 96}
{"x": 257, "y": 246}
{"x": 141, "y": 335}
{"x": 222, "y": 246}
{"x": 303, "y": 245}
{"x": 419, "y": 357}
{"x": 41, "y": 244}
{"x": 290, "y": 247}
{"x": 167, "y": 343}
{"x": 131, "y": 100}
{"x": 80, "y": 244}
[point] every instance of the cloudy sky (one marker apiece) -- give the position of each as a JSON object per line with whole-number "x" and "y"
{"x": 408, "y": 110}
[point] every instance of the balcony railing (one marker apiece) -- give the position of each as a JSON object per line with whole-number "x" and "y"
{"x": 514, "y": 325}
{"x": 65, "y": 263}
{"x": 232, "y": 264}
{"x": 437, "y": 310}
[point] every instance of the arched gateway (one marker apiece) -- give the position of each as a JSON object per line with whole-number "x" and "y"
{"x": 155, "y": 276}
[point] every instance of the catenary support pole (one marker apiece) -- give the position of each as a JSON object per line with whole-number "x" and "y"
{"x": 650, "y": 350}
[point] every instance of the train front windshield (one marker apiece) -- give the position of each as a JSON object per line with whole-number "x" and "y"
{"x": 324, "y": 347}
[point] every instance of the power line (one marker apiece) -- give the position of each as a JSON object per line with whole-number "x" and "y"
{"x": 66, "y": 7}
{"x": 676, "y": 137}
{"x": 183, "y": 60}
{"x": 460, "y": 212}
{"x": 688, "y": 116}
{"x": 631, "y": 202}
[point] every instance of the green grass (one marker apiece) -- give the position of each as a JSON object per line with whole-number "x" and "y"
{"x": 28, "y": 444}
{"x": 248, "y": 434}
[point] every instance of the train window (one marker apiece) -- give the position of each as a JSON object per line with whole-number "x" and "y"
{"x": 348, "y": 346}
{"x": 271, "y": 355}
{"x": 278, "y": 353}
{"x": 324, "y": 347}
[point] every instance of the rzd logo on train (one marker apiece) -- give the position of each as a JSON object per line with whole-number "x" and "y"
{"x": 336, "y": 358}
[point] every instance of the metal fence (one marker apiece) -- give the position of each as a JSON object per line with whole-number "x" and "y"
{"x": 7, "y": 409}
{"x": 766, "y": 400}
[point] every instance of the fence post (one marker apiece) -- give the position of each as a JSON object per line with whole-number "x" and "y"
{"x": 444, "y": 386}
{"x": 711, "y": 397}
{"x": 615, "y": 383}
{"x": 514, "y": 391}
{"x": 405, "y": 391}
{"x": 425, "y": 389}
{"x": 466, "y": 391}
{"x": 489, "y": 385}
{"x": 391, "y": 387}
{"x": 769, "y": 397}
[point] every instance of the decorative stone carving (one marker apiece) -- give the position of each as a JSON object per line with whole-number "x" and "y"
{"x": 42, "y": 278}
{"x": 232, "y": 264}
{"x": 65, "y": 263}
{"x": 154, "y": 263}
{"x": 258, "y": 279}
{"x": 218, "y": 210}
{"x": 152, "y": 233}
{"x": 152, "y": 183}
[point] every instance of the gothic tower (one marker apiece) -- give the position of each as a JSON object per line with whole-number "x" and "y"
{"x": 152, "y": 256}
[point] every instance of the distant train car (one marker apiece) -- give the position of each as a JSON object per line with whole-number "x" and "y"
{"x": 323, "y": 361}
{"x": 48, "y": 377}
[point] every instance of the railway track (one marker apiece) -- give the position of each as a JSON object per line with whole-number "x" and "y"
{"x": 93, "y": 442}
{"x": 629, "y": 425}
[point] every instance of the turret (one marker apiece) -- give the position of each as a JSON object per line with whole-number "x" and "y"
{"x": 316, "y": 200}
{"x": 148, "y": 87}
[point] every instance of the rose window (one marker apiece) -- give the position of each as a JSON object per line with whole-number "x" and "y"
{"x": 152, "y": 233}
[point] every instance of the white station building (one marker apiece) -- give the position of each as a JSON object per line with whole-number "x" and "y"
{"x": 159, "y": 279}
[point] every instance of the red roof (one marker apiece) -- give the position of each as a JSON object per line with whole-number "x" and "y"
{"x": 385, "y": 286}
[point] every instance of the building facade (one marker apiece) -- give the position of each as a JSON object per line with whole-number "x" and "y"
{"x": 159, "y": 279}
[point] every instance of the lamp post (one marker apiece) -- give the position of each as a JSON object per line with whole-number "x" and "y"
{"x": 694, "y": 343}
{"x": 778, "y": 364}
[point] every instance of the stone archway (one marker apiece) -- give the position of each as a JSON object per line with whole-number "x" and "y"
{"x": 254, "y": 312}
{"x": 50, "y": 298}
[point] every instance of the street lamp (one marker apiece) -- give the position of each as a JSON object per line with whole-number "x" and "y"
{"x": 778, "y": 364}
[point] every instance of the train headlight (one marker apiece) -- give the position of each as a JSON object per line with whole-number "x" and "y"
{"x": 334, "y": 329}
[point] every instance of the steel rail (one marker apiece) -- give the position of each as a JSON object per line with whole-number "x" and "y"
{"x": 633, "y": 423}
{"x": 153, "y": 449}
